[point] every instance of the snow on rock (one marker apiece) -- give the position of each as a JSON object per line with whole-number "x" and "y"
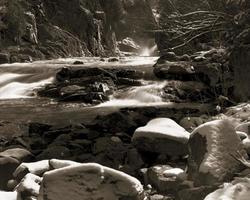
{"x": 9, "y": 196}
{"x": 211, "y": 147}
{"x": 162, "y": 135}
{"x": 165, "y": 178}
{"x": 57, "y": 164}
{"x": 29, "y": 186}
{"x": 245, "y": 129}
{"x": 37, "y": 168}
{"x": 237, "y": 190}
{"x": 89, "y": 181}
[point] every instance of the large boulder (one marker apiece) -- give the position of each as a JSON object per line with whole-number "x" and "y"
{"x": 89, "y": 181}
{"x": 162, "y": 135}
{"x": 211, "y": 153}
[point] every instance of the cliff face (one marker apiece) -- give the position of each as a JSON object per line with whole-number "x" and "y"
{"x": 44, "y": 29}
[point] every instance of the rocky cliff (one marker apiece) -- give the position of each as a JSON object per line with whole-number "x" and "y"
{"x": 45, "y": 29}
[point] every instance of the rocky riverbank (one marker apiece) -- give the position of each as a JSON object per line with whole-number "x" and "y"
{"x": 170, "y": 162}
{"x": 179, "y": 149}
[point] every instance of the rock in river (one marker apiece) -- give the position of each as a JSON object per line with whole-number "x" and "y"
{"x": 162, "y": 135}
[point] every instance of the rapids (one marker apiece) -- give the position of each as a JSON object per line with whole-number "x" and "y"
{"x": 19, "y": 80}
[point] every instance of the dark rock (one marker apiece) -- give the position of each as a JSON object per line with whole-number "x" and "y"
{"x": 7, "y": 166}
{"x": 208, "y": 73}
{"x": 197, "y": 193}
{"x": 129, "y": 73}
{"x": 113, "y": 59}
{"x": 85, "y": 134}
{"x": 80, "y": 146}
{"x": 134, "y": 159}
{"x": 239, "y": 61}
{"x": 58, "y": 152}
{"x": 4, "y": 58}
{"x": 190, "y": 123}
{"x": 168, "y": 56}
{"x": 115, "y": 122}
{"x": 128, "y": 82}
{"x": 38, "y": 129}
{"x": 78, "y": 62}
{"x": 22, "y": 155}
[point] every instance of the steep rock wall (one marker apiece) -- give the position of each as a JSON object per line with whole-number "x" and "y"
{"x": 45, "y": 29}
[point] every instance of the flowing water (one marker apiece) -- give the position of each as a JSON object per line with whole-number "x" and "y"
{"x": 18, "y": 82}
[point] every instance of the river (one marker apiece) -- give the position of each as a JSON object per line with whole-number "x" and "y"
{"x": 19, "y": 81}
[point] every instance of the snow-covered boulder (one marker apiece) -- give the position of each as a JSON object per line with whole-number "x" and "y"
{"x": 89, "y": 181}
{"x": 162, "y": 135}
{"x": 237, "y": 190}
{"x": 211, "y": 147}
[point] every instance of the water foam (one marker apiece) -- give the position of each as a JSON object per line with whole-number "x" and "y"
{"x": 16, "y": 90}
{"x": 138, "y": 96}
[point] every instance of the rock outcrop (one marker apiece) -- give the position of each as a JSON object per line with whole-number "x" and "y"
{"x": 43, "y": 29}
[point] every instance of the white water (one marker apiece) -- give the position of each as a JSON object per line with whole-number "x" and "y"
{"x": 150, "y": 94}
{"x": 15, "y": 90}
{"x": 19, "y": 80}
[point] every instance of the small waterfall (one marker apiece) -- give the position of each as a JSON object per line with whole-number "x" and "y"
{"x": 16, "y": 90}
{"x": 19, "y": 80}
{"x": 148, "y": 51}
{"x": 143, "y": 95}
{"x": 21, "y": 83}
